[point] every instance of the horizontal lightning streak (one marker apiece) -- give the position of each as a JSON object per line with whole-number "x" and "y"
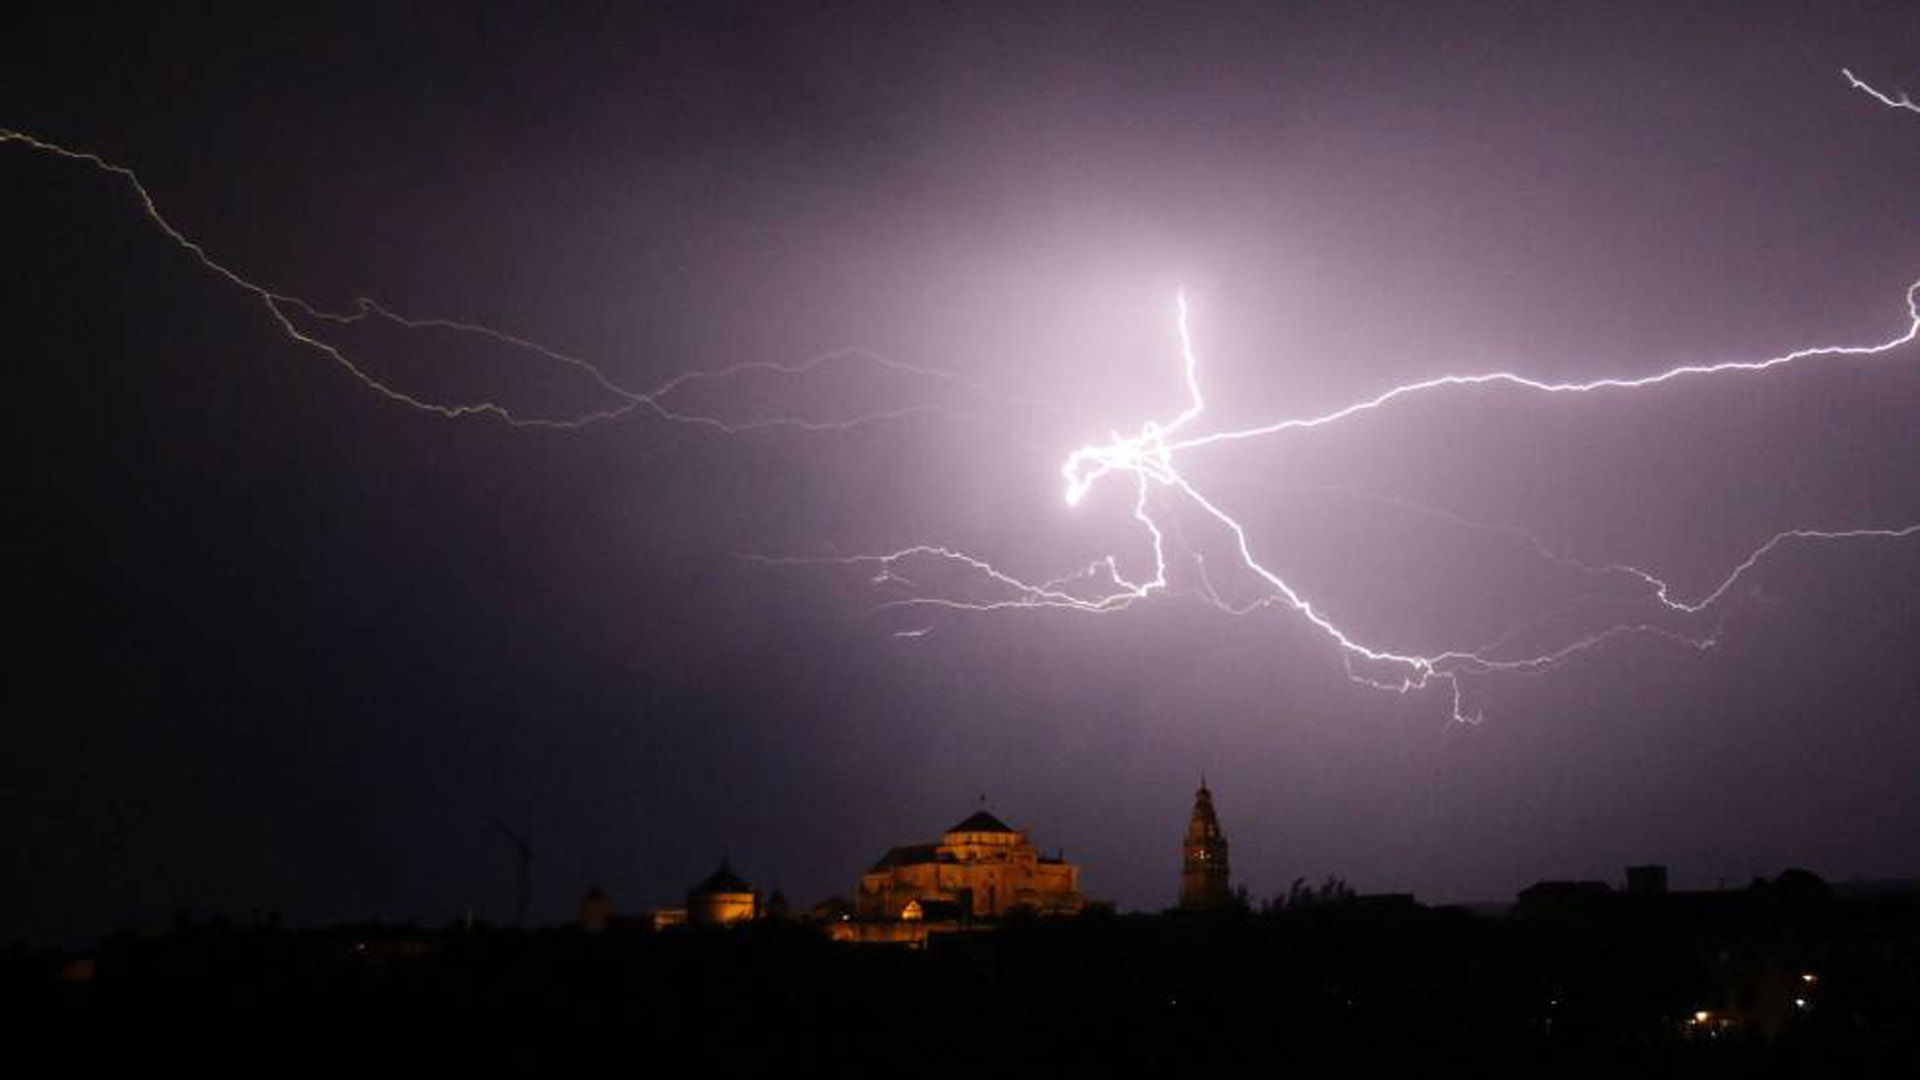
{"x": 1901, "y": 102}
{"x": 1149, "y": 458}
{"x": 284, "y": 307}
{"x": 1517, "y": 381}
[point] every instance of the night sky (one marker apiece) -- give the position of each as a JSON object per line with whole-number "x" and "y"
{"x": 280, "y": 643}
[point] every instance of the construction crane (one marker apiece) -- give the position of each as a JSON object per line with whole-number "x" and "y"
{"x": 524, "y": 850}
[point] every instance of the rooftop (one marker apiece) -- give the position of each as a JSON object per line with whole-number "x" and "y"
{"x": 981, "y": 821}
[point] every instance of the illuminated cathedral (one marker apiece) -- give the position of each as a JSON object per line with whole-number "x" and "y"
{"x": 982, "y": 869}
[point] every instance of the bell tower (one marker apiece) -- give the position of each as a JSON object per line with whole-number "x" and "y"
{"x": 1204, "y": 873}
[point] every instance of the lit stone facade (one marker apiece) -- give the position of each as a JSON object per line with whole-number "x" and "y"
{"x": 982, "y": 868}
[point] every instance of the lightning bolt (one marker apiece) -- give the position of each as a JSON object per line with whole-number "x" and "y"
{"x": 1901, "y": 102}
{"x": 1147, "y": 461}
{"x": 287, "y": 312}
{"x": 1089, "y": 463}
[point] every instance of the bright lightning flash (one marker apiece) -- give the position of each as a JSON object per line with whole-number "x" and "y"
{"x": 1149, "y": 459}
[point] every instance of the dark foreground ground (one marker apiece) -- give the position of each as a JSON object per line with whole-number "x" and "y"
{"x": 1773, "y": 976}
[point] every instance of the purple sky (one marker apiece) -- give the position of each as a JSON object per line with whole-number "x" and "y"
{"x": 282, "y": 644}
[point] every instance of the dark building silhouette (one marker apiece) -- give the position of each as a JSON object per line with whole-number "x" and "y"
{"x": 1205, "y": 883}
{"x": 596, "y": 910}
{"x": 1647, "y": 880}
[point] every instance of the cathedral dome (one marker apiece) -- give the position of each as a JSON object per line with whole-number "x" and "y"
{"x": 980, "y": 833}
{"x": 982, "y": 822}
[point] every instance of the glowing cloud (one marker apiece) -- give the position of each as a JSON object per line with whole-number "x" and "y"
{"x": 1149, "y": 461}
